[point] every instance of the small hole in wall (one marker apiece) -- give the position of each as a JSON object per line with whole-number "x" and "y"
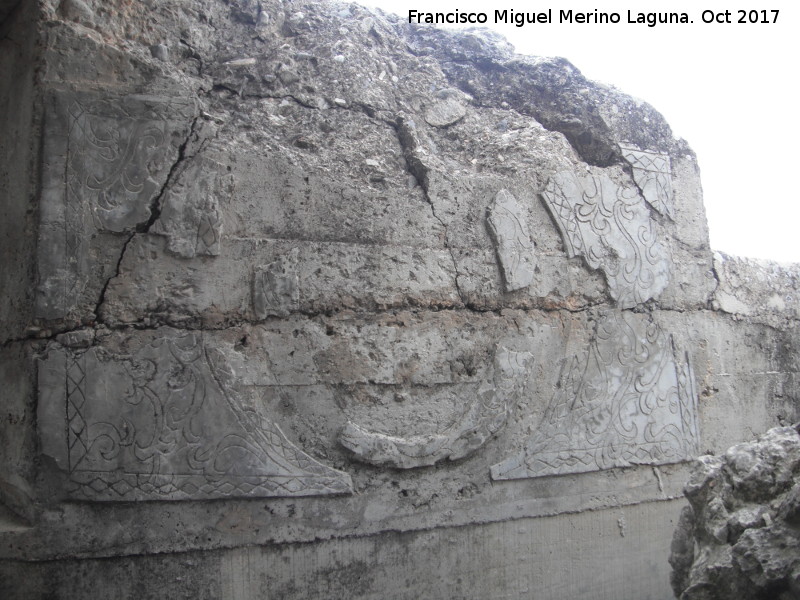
{"x": 242, "y": 343}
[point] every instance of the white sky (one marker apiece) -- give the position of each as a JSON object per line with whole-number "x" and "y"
{"x": 730, "y": 90}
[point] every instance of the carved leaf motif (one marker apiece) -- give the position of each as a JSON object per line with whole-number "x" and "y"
{"x": 627, "y": 402}
{"x": 177, "y": 430}
{"x": 611, "y": 228}
{"x": 114, "y": 162}
{"x": 105, "y": 159}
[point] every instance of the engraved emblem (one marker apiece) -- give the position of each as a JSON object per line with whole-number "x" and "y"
{"x": 482, "y": 418}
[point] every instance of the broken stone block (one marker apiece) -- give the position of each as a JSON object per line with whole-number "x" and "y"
{"x": 751, "y": 549}
{"x": 653, "y": 175}
{"x": 512, "y": 239}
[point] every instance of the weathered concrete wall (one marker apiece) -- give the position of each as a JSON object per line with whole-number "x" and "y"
{"x": 322, "y": 304}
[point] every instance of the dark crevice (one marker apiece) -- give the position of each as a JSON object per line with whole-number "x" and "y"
{"x": 717, "y": 282}
{"x": 102, "y": 297}
{"x": 415, "y": 166}
{"x": 155, "y": 213}
{"x": 153, "y": 323}
{"x": 7, "y": 20}
{"x": 156, "y": 204}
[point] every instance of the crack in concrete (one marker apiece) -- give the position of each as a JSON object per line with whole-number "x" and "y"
{"x": 153, "y": 323}
{"x": 415, "y": 166}
{"x": 155, "y": 213}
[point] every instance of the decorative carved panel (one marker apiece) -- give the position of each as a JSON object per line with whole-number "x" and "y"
{"x": 652, "y": 172}
{"x": 165, "y": 423}
{"x": 105, "y": 162}
{"x": 610, "y": 227}
{"x": 630, "y": 401}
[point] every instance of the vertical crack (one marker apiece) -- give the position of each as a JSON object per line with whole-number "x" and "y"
{"x": 156, "y": 204}
{"x": 409, "y": 143}
{"x": 155, "y": 213}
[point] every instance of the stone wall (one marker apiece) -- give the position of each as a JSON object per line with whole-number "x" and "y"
{"x": 307, "y": 302}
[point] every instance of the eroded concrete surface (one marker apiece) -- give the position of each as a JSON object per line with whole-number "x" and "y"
{"x": 301, "y": 297}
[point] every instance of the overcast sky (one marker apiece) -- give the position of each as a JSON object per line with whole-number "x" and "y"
{"x": 729, "y": 89}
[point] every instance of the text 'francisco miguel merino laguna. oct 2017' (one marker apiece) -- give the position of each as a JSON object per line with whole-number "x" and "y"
{"x": 595, "y": 17}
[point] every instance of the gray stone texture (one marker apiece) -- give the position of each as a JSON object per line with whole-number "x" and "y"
{"x": 630, "y": 401}
{"x": 611, "y": 228}
{"x": 482, "y": 417}
{"x": 740, "y": 535}
{"x": 285, "y": 281}
{"x": 762, "y": 290}
{"x": 508, "y": 226}
{"x": 653, "y": 175}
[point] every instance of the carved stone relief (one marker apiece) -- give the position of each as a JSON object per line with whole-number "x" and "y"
{"x": 165, "y": 424}
{"x": 105, "y": 163}
{"x": 190, "y": 214}
{"x": 512, "y": 239}
{"x": 652, "y": 172}
{"x": 630, "y": 401}
{"x": 275, "y": 287}
{"x": 482, "y": 418}
{"x": 610, "y": 227}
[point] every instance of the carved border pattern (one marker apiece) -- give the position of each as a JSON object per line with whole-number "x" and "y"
{"x": 177, "y": 430}
{"x": 652, "y": 172}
